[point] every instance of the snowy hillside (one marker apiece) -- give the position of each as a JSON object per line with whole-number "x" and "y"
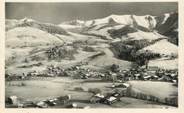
{"x": 28, "y": 36}
{"x": 100, "y": 43}
{"x": 26, "y": 22}
{"x": 163, "y": 47}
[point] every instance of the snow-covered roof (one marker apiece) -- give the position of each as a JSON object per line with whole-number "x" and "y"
{"x": 111, "y": 98}
{"x": 99, "y": 95}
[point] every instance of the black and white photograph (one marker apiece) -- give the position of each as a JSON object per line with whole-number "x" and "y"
{"x": 89, "y": 55}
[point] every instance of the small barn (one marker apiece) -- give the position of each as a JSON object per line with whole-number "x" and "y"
{"x": 12, "y": 100}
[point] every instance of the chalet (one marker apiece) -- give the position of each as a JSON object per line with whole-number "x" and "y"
{"x": 12, "y": 100}
{"x": 63, "y": 99}
{"x": 73, "y": 105}
{"x": 165, "y": 78}
{"x": 148, "y": 77}
{"x": 42, "y": 104}
{"x": 154, "y": 77}
{"x": 96, "y": 98}
{"x": 137, "y": 76}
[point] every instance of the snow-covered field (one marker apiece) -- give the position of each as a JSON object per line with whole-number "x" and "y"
{"x": 46, "y": 88}
{"x": 158, "y": 89}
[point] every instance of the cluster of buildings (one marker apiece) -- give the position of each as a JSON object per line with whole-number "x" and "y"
{"x": 154, "y": 74}
{"x": 14, "y": 101}
{"x": 61, "y": 101}
{"x": 113, "y": 74}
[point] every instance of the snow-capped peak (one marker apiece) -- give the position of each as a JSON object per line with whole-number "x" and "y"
{"x": 144, "y": 21}
{"x": 27, "y": 20}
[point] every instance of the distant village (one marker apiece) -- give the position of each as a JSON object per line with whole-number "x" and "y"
{"x": 113, "y": 74}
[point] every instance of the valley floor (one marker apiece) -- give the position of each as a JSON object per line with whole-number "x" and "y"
{"x": 42, "y": 88}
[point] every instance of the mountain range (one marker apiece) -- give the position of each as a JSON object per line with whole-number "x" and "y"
{"x": 98, "y": 43}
